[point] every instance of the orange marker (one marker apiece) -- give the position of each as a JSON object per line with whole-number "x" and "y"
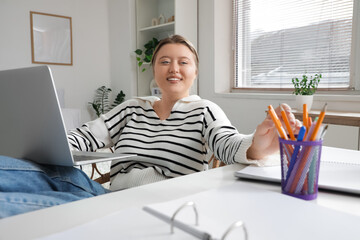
{"x": 277, "y": 122}
{"x": 305, "y": 118}
{"x": 281, "y": 131}
{"x": 318, "y": 123}
{"x": 309, "y": 121}
{"x": 287, "y": 124}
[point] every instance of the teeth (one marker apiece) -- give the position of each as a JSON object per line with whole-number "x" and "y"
{"x": 173, "y": 79}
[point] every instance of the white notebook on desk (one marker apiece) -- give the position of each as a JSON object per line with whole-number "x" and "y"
{"x": 339, "y": 171}
{"x": 265, "y": 214}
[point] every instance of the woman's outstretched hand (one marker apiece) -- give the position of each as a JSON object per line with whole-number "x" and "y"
{"x": 265, "y": 141}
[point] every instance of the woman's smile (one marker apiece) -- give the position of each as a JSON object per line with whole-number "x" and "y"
{"x": 174, "y": 79}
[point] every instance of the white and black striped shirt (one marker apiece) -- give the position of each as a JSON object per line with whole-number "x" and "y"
{"x": 173, "y": 147}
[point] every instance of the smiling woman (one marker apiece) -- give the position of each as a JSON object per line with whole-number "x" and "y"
{"x": 170, "y": 136}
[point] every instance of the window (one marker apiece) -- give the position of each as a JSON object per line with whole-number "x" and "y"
{"x": 276, "y": 40}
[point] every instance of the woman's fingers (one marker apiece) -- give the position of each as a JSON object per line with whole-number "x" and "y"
{"x": 264, "y": 127}
{"x": 294, "y": 123}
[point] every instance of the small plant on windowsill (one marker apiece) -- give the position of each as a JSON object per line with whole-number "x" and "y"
{"x": 144, "y": 55}
{"x": 304, "y": 90}
{"x": 306, "y": 86}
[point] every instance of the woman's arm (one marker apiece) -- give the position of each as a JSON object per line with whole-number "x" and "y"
{"x": 223, "y": 139}
{"x": 265, "y": 141}
{"x": 90, "y": 137}
{"x": 100, "y": 133}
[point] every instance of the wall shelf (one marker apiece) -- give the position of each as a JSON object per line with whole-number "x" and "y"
{"x": 185, "y": 24}
{"x": 166, "y": 27}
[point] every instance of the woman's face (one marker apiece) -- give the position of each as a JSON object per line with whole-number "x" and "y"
{"x": 175, "y": 70}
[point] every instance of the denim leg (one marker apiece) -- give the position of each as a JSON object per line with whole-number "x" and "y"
{"x": 26, "y": 186}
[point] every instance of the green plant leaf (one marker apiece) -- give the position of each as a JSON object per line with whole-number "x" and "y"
{"x": 148, "y": 45}
{"x": 155, "y": 41}
{"x": 120, "y": 97}
{"x": 147, "y": 53}
{"x": 307, "y": 85}
{"x": 101, "y": 103}
{"x": 148, "y": 58}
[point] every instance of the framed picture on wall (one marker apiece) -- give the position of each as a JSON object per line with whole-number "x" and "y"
{"x": 51, "y": 39}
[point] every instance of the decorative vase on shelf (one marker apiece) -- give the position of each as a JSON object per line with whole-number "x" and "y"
{"x": 301, "y": 99}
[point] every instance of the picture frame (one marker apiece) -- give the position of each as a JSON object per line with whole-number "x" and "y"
{"x": 51, "y": 39}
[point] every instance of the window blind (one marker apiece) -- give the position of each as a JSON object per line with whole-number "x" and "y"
{"x": 276, "y": 40}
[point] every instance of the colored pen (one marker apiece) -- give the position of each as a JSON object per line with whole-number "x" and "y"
{"x": 287, "y": 124}
{"x": 324, "y": 131}
{"x": 300, "y": 168}
{"x": 296, "y": 151}
{"x": 300, "y": 164}
{"x": 305, "y": 117}
{"x": 318, "y": 123}
{"x": 312, "y": 173}
{"x": 277, "y": 123}
{"x": 307, "y": 160}
{"x": 313, "y": 166}
{"x": 288, "y": 148}
{"x": 310, "y": 131}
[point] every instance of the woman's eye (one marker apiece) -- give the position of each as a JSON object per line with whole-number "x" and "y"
{"x": 183, "y": 62}
{"x": 165, "y": 62}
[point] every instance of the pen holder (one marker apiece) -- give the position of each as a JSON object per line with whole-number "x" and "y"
{"x": 300, "y": 163}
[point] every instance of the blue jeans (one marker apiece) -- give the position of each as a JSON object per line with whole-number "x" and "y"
{"x": 27, "y": 186}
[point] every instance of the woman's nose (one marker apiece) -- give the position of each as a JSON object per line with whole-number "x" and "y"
{"x": 174, "y": 68}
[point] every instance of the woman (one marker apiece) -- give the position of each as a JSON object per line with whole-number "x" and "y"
{"x": 171, "y": 137}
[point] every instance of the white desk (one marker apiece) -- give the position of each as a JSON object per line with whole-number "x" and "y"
{"x": 56, "y": 219}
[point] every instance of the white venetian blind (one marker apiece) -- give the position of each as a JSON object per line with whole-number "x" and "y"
{"x": 276, "y": 40}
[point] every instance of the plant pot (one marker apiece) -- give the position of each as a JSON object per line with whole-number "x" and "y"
{"x": 301, "y": 99}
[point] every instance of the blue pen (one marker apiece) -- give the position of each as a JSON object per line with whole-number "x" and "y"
{"x": 295, "y": 153}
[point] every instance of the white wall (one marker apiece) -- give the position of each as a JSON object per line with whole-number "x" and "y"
{"x": 122, "y": 45}
{"x": 104, "y": 39}
{"x": 91, "y": 53}
{"x": 246, "y": 110}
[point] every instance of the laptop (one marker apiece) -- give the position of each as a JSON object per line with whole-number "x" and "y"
{"x": 339, "y": 171}
{"x": 31, "y": 122}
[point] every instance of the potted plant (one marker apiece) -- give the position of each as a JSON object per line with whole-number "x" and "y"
{"x": 145, "y": 55}
{"x": 304, "y": 89}
{"x": 101, "y": 103}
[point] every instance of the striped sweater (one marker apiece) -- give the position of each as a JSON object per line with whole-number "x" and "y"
{"x": 173, "y": 147}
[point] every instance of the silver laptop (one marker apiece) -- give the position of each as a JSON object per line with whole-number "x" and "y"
{"x": 31, "y": 123}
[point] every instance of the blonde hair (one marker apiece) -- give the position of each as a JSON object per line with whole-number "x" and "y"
{"x": 175, "y": 39}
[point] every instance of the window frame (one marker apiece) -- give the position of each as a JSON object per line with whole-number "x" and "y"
{"x": 354, "y": 82}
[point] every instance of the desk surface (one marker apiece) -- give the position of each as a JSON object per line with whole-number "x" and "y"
{"x": 51, "y": 220}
